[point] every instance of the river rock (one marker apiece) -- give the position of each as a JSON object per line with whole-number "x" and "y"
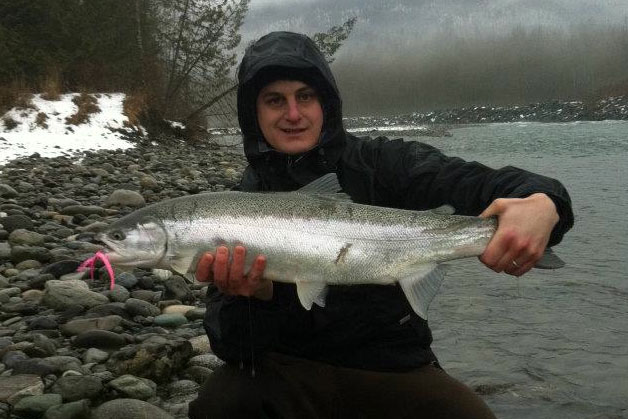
{"x": 36, "y": 406}
{"x": 119, "y": 294}
{"x": 101, "y": 339}
{"x": 178, "y": 289}
{"x": 21, "y": 236}
{"x": 7, "y": 191}
{"x": 43, "y": 323}
{"x": 177, "y": 308}
{"x": 21, "y": 253}
{"x": 137, "y": 307}
{"x": 16, "y": 387}
{"x": 125, "y": 198}
{"x": 200, "y": 344}
{"x": 210, "y": 361}
{"x": 94, "y": 355}
{"x": 77, "y": 387}
{"x": 5, "y": 251}
{"x": 109, "y": 309}
{"x": 78, "y": 326}
{"x": 134, "y": 387}
{"x": 15, "y": 222}
{"x": 155, "y": 358}
{"x": 60, "y": 268}
{"x": 63, "y": 363}
{"x": 170, "y": 320}
{"x": 126, "y": 279}
{"x": 129, "y": 409}
{"x": 63, "y": 294}
{"x": 73, "y": 410}
{"x": 197, "y": 313}
{"x": 62, "y": 202}
{"x": 28, "y": 264}
{"x": 83, "y": 210}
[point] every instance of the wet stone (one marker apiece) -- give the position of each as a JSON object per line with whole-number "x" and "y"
{"x": 101, "y": 339}
{"x": 58, "y": 269}
{"x": 170, "y": 320}
{"x": 36, "y": 406}
{"x": 73, "y": 410}
{"x": 129, "y": 409}
{"x": 15, "y": 222}
{"x": 76, "y": 387}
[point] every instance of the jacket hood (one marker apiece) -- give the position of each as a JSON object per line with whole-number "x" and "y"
{"x": 287, "y": 56}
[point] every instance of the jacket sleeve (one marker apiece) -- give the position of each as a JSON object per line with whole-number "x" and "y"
{"x": 415, "y": 175}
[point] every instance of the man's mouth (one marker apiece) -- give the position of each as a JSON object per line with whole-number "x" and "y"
{"x": 292, "y": 131}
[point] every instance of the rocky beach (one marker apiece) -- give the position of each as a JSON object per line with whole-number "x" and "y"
{"x": 436, "y": 123}
{"x": 69, "y": 346}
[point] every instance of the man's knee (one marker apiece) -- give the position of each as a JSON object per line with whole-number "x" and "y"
{"x": 228, "y": 393}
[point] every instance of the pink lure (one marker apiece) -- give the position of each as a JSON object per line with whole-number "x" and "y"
{"x": 91, "y": 264}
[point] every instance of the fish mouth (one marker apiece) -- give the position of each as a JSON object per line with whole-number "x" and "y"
{"x": 120, "y": 256}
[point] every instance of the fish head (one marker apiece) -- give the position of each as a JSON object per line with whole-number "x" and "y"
{"x": 141, "y": 243}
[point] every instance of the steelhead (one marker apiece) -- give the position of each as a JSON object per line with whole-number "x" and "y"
{"x": 312, "y": 237}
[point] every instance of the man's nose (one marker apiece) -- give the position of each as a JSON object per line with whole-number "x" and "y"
{"x": 293, "y": 113}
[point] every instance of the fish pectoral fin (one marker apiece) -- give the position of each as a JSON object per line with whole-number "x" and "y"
{"x": 549, "y": 260}
{"x": 422, "y": 285}
{"x": 185, "y": 264}
{"x": 311, "y": 292}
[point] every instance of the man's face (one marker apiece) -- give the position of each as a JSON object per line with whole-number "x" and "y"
{"x": 290, "y": 116}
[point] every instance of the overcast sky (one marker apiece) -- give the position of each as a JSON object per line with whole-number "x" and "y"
{"x": 411, "y": 18}
{"x": 390, "y": 34}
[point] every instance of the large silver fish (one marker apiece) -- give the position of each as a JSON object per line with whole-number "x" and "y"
{"x": 310, "y": 237}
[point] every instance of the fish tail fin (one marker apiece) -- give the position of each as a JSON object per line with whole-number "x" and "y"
{"x": 422, "y": 285}
{"x": 549, "y": 260}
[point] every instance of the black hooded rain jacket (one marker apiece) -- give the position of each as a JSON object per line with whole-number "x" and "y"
{"x": 362, "y": 326}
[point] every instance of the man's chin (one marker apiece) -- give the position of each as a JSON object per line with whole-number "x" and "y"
{"x": 295, "y": 144}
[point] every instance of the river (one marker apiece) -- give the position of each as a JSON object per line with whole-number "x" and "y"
{"x": 551, "y": 344}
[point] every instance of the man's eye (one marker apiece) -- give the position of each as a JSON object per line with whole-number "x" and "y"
{"x": 306, "y": 96}
{"x": 274, "y": 101}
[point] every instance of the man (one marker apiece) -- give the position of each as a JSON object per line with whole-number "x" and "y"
{"x": 366, "y": 354}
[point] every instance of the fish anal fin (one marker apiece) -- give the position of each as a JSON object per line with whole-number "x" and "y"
{"x": 311, "y": 292}
{"x": 421, "y": 286}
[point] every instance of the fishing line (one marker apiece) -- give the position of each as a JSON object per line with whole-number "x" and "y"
{"x": 251, "y": 339}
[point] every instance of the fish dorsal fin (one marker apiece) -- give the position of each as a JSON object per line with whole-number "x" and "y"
{"x": 326, "y": 184}
{"x": 422, "y": 285}
{"x": 445, "y": 209}
{"x": 549, "y": 260}
{"x": 311, "y": 292}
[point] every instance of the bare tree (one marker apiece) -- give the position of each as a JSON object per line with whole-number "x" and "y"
{"x": 197, "y": 39}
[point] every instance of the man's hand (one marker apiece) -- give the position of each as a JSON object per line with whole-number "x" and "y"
{"x": 229, "y": 277}
{"x": 523, "y": 231}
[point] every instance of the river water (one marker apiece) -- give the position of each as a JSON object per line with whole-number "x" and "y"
{"x": 551, "y": 344}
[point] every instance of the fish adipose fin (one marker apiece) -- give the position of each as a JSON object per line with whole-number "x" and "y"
{"x": 311, "y": 292}
{"x": 549, "y": 260}
{"x": 422, "y": 285}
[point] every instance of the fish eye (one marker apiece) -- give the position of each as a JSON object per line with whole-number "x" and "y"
{"x": 117, "y": 235}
